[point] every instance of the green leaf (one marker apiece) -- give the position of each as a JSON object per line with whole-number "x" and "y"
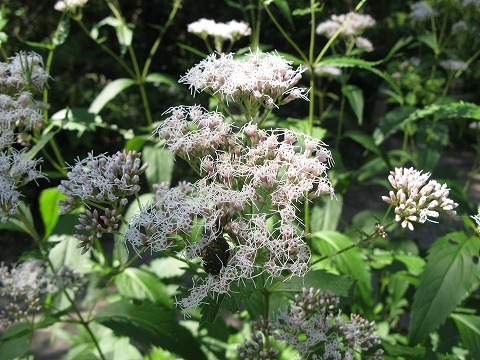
{"x": 363, "y": 139}
{"x": 135, "y": 143}
{"x": 449, "y": 276}
{"x": 158, "y": 78}
{"x": 108, "y": 93}
{"x": 354, "y": 96}
{"x": 432, "y": 137}
{"x": 285, "y": 9}
{"x": 15, "y": 342}
{"x": 340, "y": 285}
{"x": 150, "y": 324}
{"x": 65, "y": 253}
{"x": 391, "y": 123}
{"x": 76, "y": 119}
{"x": 403, "y": 41}
{"x": 123, "y": 30}
{"x": 30, "y": 154}
{"x": 14, "y": 224}
{"x": 469, "y": 328}
{"x": 453, "y": 110}
{"x": 326, "y": 213}
{"x": 160, "y": 164}
{"x": 362, "y": 64}
{"x": 62, "y": 31}
{"x": 49, "y": 208}
{"x": 350, "y": 262}
{"x": 135, "y": 283}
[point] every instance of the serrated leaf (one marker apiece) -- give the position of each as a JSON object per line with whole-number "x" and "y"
{"x": 349, "y": 262}
{"x": 135, "y": 283}
{"x": 210, "y": 309}
{"x": 108, "y": 93}
{"x": 49, "y": 208}
{"x": 65, "y": 253}
{"x": 150, "y": 324}
{"x": 391, "y": 123}
{"x": 448, "y": 278}
{"x": 354, "y": 96}
{"x": 469, "y": 328}
{"x": 362, "y": 64}
{"x": 160, "y": 164}
{"x": 15, "y": 341}
{"x": 340, "y": 285}
{"x": 460, "y": 109}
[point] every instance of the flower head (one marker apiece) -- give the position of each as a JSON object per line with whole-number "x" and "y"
{"x": 69, "y": 5}
{"x": 26, "y": 283}
{"x": 313, "y": 325}
{"x": 453, "y": 65}
{"x": 262, "y": 79}
{"x": 353, "y": 24}
{"x": 417, "y": 200}
{"x": 363, "y": 43}
{"x": 232, "y": 30}
{"x": 421, "y": 11}
{"x": 102, "y": 179}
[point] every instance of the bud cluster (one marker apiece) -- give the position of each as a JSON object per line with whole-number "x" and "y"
{"x": 417, "y": 200}
{"x": 26, "y": 284}
{"x": 313, "y": 324}
{"x": 102, "y": 180}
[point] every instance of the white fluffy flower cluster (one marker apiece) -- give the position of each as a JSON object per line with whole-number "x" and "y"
{"x": 453, "y": 65}
{"x": 26, "y": 283}
{"x": 459, "y": 27}
{"x": 363, "y": 43}
{"x": 15, "y": 171}
{"x": 102, "y": 179}
{"x": 475, "y": 3}
{"x": 421, "y": 11}
{"x": 312, "y": 324}
{"x": 328, "y": 70}
{"x": 69, "y": 5}
{"x": 232, "y": 30}
{"x": 353, "y": 24}
{"x": 24, "y": 72}
{"x": 269, "y": 170}
{"x": 19, "y": 113}
{"x": 417, "y": 200}
{"x": 262, "y": 79}
{"x": 191, "y": 131}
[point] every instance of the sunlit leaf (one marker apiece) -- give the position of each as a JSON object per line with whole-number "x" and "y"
{"x": 150, "y": 324}
{"x": 108, "y": 93}
{"x": 449, "y": 276}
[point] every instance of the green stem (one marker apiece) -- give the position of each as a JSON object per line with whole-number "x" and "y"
{"x": 337, "y": 33}
{"x": 38, "y": 241}
{"x": 105, "y": 48}
{"x": 370, "y": 237}
{"x": 284, "y": 34}
{"x": 158, "y": 40}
